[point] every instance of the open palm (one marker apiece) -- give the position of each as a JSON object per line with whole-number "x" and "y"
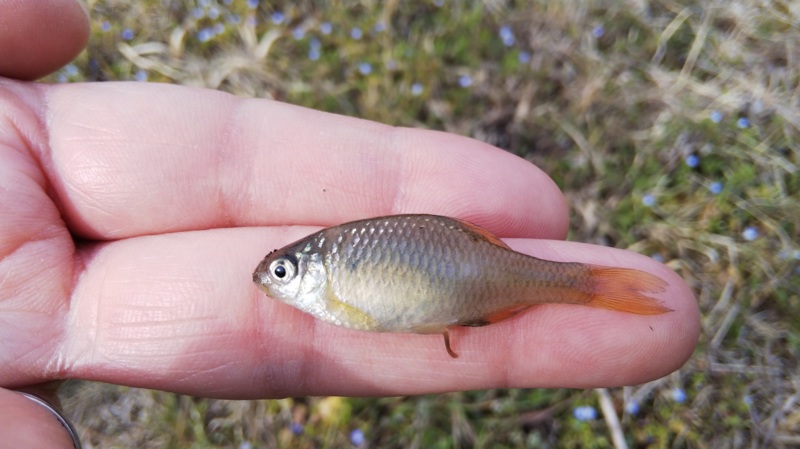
{"x": 132, "y": 216}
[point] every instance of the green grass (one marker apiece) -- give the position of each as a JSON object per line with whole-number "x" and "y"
{"x": 672, "y": 127}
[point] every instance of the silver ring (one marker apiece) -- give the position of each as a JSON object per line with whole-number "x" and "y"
{"x": 76, "y": 443}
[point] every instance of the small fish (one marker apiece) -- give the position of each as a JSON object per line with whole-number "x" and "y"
{"x": 425, "y": 273}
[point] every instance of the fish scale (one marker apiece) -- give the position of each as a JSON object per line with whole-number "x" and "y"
{"x": 424, "y": 273}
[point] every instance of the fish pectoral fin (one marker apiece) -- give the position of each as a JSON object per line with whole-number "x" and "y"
{"x": 354, "y": 317}
{"x": 437, "y": 329}
{"x": 494, "y": 317}
{"x": 482, "y": 234}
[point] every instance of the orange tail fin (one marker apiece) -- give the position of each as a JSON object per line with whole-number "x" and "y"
{"x": 625, "y": 289}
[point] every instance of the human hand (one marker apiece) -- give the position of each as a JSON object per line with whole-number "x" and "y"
{"x": 133, "y": 215}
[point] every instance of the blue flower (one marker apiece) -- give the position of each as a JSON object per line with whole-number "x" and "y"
{"x": 277, "y": 17}
{"x": 743, "y": 122}
{"x": 649, "y": 200}
{"x": 715, "y": 116}
{"x": 357, "y": 437}
{"x": 598, "y": 31}
{"x": 524, "y": 57}
{"x": 364, "y": 68}
{"x": 219, "y": 28}
{"x": 314, "y": 49}
{"x": 198, "y": 13}
{"x": 750, "y": 233}
{"x": 657, "y": 257}
{"x": 356, "y": 33}
{"x": 785, "y": 254}
{"x": 298, "y": 32}
{"x": 715, "y": 187}
{"x": 252, "y": 4}
{"x": 233, "y": 19}
{"x": 105, "y": 26}
{"x": 632, "y": 408}
{"x": 205, "y": 34}
{"x": 297, "y": 428}
{"x": 678, "y": 395}
{"x": 71, "y": 70}
{"x": 584, "y": 413}
{"x": 213, "y": 13}
{"x": 417, "y": 89}
{"x": 507, "y": 35}
{"x": 325, "y": 28}
{"x": 379, "y": 27}
{"x": 465, "y": 81}
{"x": 692, "y": 161}
{"x": 140, "y": 75}
{"x": 127, "y": 34}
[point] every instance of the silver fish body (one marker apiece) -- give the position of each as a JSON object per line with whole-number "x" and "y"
{"x": 423, "y": 273}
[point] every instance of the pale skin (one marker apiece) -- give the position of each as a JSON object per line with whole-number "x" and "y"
{"x": 132, "y": 216}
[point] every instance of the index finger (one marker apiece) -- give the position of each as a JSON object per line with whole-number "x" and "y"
{"x": 130, "y": 159}
{"x": 199, "y": 326}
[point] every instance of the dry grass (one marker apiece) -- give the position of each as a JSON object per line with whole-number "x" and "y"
{"x": 672, "y": 126}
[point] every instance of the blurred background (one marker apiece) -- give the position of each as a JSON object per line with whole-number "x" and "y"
{"x": 672, "y": 127}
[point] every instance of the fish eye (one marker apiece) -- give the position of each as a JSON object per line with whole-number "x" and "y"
{"x": 282, "y": 269}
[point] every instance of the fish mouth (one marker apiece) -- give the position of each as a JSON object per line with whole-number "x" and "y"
{"x": 261, "y": 276}
{"x": 261, "y": 273}
{"x": 261, "y": 270}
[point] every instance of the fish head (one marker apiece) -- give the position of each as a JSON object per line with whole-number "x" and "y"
{"x": 296, "y": 276}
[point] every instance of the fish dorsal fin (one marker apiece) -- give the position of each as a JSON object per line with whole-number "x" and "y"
{"x": 481, "y": 234}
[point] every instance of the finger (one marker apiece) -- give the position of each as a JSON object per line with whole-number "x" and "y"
{"x": 24, "y": 423}
{"x": 131, "y": 159}
{"x": 198, "y": 325}
{"x": 38, "y": 37}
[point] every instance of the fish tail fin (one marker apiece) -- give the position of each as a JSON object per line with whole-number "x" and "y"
{"x": 625, "y": 290}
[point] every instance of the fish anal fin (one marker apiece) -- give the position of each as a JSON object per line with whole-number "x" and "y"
{"x": 482, "y": 234}
{"x": 494, "y": 317}
{"x": 437, "y": 329}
